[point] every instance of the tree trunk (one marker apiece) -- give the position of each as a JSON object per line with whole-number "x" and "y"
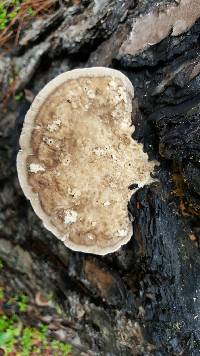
{"x": 145, "y": 298}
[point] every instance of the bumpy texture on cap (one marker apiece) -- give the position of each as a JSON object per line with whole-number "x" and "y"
{"x": 77, "y": 158}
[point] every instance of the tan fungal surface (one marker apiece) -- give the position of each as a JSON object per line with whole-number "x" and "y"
{"x": 78, "y": 159}
{"x": 158, "y": 24}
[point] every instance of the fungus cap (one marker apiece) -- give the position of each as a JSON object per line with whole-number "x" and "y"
{"x": 77, "y": 158}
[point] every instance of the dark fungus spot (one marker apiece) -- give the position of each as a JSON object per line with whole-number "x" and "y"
{"x": 133, "y": 186}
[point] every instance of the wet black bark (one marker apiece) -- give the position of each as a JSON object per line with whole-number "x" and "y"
{"x": 145, "y": 298}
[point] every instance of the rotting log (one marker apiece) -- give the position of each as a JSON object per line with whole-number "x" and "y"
{"x": 143, "y": 299}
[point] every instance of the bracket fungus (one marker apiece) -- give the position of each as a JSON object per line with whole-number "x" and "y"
{"x": 151, "y": 28}
{"x": 78, "y": 158}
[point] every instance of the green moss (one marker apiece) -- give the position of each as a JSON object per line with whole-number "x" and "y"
{"x": 60, "y": 346}
{"x": 1, "y": 294}
{"x": 3, "y": 16}
{"x": 26, "y": 341}
{"x": 22, "y": 302}
{"x": 9, "y": 11}
{"x": 21, "y": 339}
{"x": 19, "y": 96}
{"x": 14, "y": 337}
{"x": 30, "y": 12}
{"x": 8, "y": 333}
